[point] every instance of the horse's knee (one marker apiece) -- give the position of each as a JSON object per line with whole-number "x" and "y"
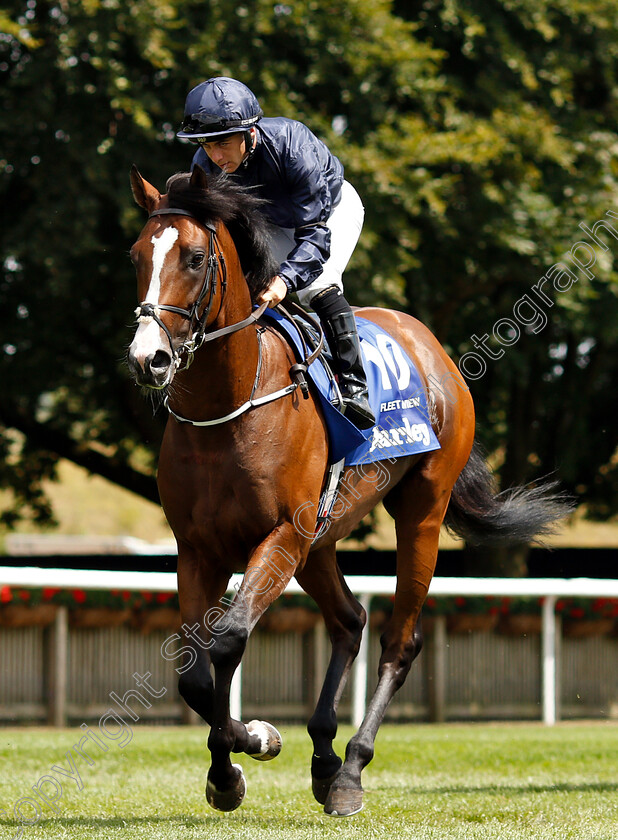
{"x": 195, "y": 682}
{"x": 196, "y": 689}
{"x": 395, "y": 636}
{"x": 323, "y": 724}
{"x": 357, "y": 622}
{"x": 229, "y": 644}
{"x": 417, "y": 639}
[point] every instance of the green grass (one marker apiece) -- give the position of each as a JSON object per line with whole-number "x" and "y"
{"x": 426, "y": 782}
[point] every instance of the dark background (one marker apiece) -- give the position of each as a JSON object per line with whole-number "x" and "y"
{"x": 542, "y": 562}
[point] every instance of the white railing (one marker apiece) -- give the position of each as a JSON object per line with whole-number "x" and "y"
{"x": 364, "y": 587}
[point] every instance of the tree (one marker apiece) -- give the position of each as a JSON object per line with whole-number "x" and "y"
{"x": 533, "y": 86}
{"x": 479, "y": 135}
{"x": 65, "y": 289}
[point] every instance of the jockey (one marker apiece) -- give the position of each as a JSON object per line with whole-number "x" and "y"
{"x": 317, "y": 215}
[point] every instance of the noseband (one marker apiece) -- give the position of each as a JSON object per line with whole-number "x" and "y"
{"x": 209, "y": 287}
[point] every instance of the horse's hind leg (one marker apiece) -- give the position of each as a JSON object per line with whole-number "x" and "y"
{"x": 418, "y": 506}
{"x": 344, "y": 617}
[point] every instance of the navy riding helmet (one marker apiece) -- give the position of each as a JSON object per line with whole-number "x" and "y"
{"x": 219, "y": 106}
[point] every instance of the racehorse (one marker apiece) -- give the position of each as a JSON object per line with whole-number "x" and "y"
{"x": 243, "y": 462}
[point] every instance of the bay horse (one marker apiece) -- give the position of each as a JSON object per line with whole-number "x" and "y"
{"x": 244, "y": 452}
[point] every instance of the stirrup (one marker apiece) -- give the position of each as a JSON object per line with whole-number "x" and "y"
{"x": 358, "y": 411}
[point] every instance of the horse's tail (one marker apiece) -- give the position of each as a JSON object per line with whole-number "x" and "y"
{"x": 481, "y": 516}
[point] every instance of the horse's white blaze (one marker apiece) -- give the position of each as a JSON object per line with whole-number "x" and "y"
{"x": 148, "y": 338}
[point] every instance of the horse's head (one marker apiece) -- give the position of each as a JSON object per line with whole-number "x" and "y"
{"x": 177, "y": 270}
{"x": 181, "y": 270}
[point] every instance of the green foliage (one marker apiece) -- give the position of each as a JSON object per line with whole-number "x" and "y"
{"x": 469, "y": 605}
{"x": 479, "y": 134}
{"x": 529, "y": 107}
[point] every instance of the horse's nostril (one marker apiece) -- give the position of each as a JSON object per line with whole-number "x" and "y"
{"x": 160, "y": 361}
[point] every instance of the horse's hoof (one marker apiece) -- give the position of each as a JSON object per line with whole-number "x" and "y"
{"x": 270, "y": 739}
{"x": 227, "y": 800}
{"x": 344, "y": 802}
{"x": 321, "y": 788}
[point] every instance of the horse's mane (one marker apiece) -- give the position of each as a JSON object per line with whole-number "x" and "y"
{"x": 240, "y": 210}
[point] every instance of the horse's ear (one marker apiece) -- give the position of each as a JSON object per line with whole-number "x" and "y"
{"x": 199, "y": 178}
{"x": 144, "y": 193}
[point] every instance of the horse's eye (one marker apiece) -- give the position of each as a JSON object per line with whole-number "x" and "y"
{"x": 196, "y": 261}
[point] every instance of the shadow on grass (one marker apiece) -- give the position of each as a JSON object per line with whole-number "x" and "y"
{"x": 565, "y": 787}
{"x": 78, "y": 826}
{"x": 246, "y": 819}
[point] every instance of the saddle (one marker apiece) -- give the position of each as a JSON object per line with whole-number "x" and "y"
{"x": 398, "y": 395}
{"x": 313, "y": 346}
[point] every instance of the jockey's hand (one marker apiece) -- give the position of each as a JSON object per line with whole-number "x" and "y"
{"x": 275, "y": 293}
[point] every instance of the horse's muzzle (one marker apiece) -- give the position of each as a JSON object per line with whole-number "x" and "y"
{"x": 153, "y": 371}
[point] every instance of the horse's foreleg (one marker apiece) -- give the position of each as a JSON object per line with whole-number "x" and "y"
{"x": 202, "y": 607}
{"x": 344, "y": 618}
{"x": 198, "y": 595}
{"x": 225, "y": 786}
{"x": 268, "y": 573}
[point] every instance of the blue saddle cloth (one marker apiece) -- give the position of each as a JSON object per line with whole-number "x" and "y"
{"x": 396, "y": 393}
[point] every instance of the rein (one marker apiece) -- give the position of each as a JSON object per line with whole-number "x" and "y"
{"x": 252, "y": 402}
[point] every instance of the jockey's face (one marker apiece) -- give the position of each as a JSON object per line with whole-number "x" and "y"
{"x": 228, "y": 152}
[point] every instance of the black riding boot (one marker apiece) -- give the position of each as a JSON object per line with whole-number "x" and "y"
{"x": 339, "y": 326}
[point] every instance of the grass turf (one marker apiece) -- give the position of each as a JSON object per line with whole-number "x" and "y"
{"x": 452, "y": 782}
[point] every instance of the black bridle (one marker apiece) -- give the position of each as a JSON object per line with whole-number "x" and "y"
{"x": 214, "y": 262}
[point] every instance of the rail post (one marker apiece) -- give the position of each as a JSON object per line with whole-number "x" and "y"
{"x": 57, "y": 664}
{"x": 359, "y": 673}
{"x": 549, "y": 642}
